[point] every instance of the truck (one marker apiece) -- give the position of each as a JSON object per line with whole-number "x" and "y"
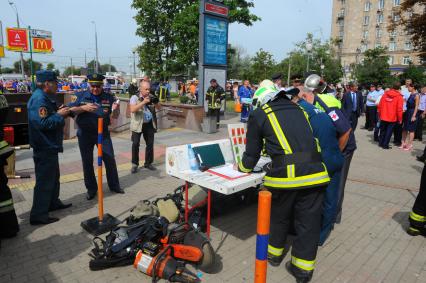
{"x": 115, "y": 82}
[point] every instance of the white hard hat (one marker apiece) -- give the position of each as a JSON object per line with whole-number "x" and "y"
{"x": 265, "y": 93}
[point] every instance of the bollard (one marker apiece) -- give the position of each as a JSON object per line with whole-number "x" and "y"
{"x": 100, "y": 189}
{"x": 263, "y": 221}
{"x": 103, "y": 222}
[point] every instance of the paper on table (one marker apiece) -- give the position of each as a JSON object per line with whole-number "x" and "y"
{"x": 227, "y": 172}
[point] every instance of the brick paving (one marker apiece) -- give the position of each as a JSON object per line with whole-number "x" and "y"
{"x": 370, "y": 245}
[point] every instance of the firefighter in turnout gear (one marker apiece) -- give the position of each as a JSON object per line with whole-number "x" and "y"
{"x": 296, "y": 177}
{"x": 418, "y": 213}
{"x": 214, "y": 96}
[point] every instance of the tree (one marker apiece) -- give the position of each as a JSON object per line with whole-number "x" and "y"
{"x": 374, "y": 68}
{"x": 415, "y": 73}
{"x": 413, "y": 19}
{"x": 170, "y": 32}
{"x": 7, "y": 70}
{"x": 262, "y": 66}
{"x": 72, "y": 70}
{"x": 320, "y": 54}
{"x": 107, "y": 68}
{"x": 50, "y": 66}
{"x": 27, "y": 69}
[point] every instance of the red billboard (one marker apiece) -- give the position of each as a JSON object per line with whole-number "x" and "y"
{"x": 17, "y": 39}
{"x": 216, "y": 9}
{"x": 43, "y": 45}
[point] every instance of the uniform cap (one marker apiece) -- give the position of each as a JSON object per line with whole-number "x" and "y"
{"x": 46, "y": 76}
{"x": 277, "y": 76}
{"x": 95, "y": 78}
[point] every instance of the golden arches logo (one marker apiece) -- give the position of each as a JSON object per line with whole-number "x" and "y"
{"x": 41, "y": 44}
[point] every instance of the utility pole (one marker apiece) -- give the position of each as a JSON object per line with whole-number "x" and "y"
{"x": 109, "y": 67}
{"x": 17, "y": 22}
{"x": 85, "y": 60}
{"x": 96, "y": 48}
{"x": 72, "y": 68}
{"x": 134, "y": 63}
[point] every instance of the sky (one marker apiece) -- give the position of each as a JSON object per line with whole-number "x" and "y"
{"x": 284, "y": 22}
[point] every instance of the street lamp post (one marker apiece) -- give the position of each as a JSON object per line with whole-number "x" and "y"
{"x": 309, "y": 49}
{"x": 17, "y": 22}
{"x": 96, "y": 48}
{"x": 289, "y": 70}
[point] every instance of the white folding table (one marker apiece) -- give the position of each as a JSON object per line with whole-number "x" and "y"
{"x": 177, "y": 165}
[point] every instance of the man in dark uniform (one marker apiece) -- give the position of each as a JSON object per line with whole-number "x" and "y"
{"x": 45, "y": 127}
{"x": 89, "y": 106}
{"x": 8, "y": 219}
{"x": 297, "y": 178}
{"x": 417, "y": 216}
{"x": 346, "y": 138}
{"x": 214, "y": 96}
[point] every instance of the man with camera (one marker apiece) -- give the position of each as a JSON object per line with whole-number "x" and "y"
{"x": 142, "y": 123}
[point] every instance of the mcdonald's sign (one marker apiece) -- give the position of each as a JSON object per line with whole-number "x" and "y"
{"x": 42, "y": 45}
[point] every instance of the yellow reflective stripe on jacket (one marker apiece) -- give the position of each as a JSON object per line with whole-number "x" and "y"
{"x": 308, "y": 180}
{"x": 243, "y": 169}
{"x": 291, "y": 173}
{"x": 275, "y": 251}
{"x": 303, "y": 264}
{"x": 6, "y": 206}
{"x": 417, "y": 217}
{"x": 277, "y": 129}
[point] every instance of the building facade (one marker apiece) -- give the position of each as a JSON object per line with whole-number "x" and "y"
{"x": 358, "y": 25}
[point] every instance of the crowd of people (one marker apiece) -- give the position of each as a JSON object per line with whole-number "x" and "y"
{"x": 307, "y": 129}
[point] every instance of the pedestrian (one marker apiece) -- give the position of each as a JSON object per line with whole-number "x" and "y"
{"x": 397, "y": 131}
{"x": 277, "y": 80}
{"x": 327, "y": 135}
{"x": 421, "y": 115}
{"x": 334, "y": 202}
{"x": 214, "y": 96}
{"x": 89, "y": 106}
{"x": 390, "y": 111}
{"x": 45, "y": 127}
{"x": 410, "y": 119}
{"x": 417, "y": 216}
{"x": 245, "y": 94}
{"x": 371, "y": 108}
{"x": 297, "y": 178}
{"x": 235, "y": 88}
{"x": 142, "y": 124}
{"x": 376, "y": 134}
{"x": 352, "y": 105}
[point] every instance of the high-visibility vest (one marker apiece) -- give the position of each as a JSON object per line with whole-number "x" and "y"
{"x": 296, "y": 159}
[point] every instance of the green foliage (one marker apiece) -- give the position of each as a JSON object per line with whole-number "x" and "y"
{"x": 27, "y": 69}
{"x": 72, "y": 70}
{"x": 415, "y": 73}
{"x": 50, "y": 66}
{"x": 374, "y": 68}
{"x": 169, "y": 29}
{"x": 262, "y": 66}
{"x": 7, "y": 70}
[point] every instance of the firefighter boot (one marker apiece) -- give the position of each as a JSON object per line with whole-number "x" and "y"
{"x": 415, "y": 231}
{"x": 302, "y": 276}
{"x": 275, "y": 260}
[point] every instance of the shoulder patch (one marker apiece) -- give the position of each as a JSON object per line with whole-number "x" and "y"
{"x": 42, "y": 112}
{"x": 73, "y": 98}
{"x": 333, "y": 115}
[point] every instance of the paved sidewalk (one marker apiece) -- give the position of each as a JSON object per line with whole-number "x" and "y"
{"x": 369, "y": 246}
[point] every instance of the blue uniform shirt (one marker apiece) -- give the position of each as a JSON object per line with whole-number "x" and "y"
{"x": 244, "y": 92}
{"x": 88, "y": 121}
{"x": 341, "y": 123}
{"x": 326, "y": 134}
{"x": 45, "y": 126}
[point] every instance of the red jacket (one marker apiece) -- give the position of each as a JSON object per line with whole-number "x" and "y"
{"x": 390, "y": 106}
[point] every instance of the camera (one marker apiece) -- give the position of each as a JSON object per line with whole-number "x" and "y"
{"x": 154, "y": 99}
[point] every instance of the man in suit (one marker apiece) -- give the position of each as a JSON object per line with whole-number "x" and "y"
{"x": 352, "y": 104}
